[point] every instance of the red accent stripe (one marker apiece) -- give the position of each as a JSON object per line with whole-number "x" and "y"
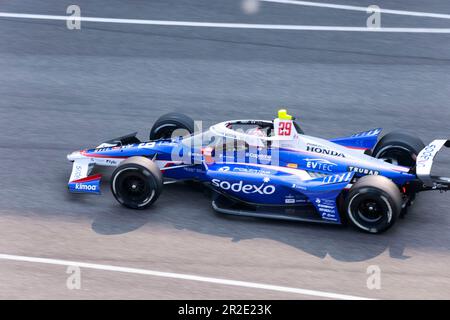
{"x": 88, "y": 179}
{"x": 90, "y": 155}
{"x": 356, "y": 148}
{"x": 402, "y": 169}
{"x": 167, "y": 165}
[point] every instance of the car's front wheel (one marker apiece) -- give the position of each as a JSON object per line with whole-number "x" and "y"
{"x": 373, "y": 204}
{"x": 136, "y": 183}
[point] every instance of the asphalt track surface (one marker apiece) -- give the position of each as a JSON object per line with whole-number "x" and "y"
{"x": 63, "y": 90}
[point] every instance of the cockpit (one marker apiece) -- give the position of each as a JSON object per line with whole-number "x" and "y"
{"x": 259, "y": 133}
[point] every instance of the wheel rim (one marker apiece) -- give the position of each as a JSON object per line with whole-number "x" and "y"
{"x": 370, "y": 210}
{"x": 398, "y": 156}
{"x": 133, "y": 187}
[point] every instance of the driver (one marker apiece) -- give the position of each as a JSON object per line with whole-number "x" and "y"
{"x": 256, "y": 132}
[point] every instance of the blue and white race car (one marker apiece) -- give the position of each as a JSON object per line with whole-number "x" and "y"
{"x": 269, "y": 169}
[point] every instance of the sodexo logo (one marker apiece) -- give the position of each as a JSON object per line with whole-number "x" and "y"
{"x": 245, "y": 188}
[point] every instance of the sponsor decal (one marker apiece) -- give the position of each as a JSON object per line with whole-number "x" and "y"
{"x": 85, "y": 187}
{"x": 323, "y": 150}
{"x": 126, "y": 146}
{"x": 363, "y": 171}
{"x": 289, "y": 199}
{"x": 240, "y": 186}
{"x": 231, "y": 158}
{"x": 370, "y": 133}
{"x": 320, "y": 164}
{"x": 193, "y": 170}
{"x": 146, "y": 145}
{"x": 106, "y": 145}
{"x": 327, "y": 208}
{"x": 428, "y": 153}
{"x": 292, "y": 165}
{"x": 168, "y": 143}
{"x": 337, "y": 178}
{"x": 77, "y": 174}
{"x": 105, "y": 149}
{"x": 329, "y": 216}
{"x": 325, "y": 202}
{"x": 250, "y": 170}
{"x": 224, "y": 169}
{"x": 259, "y": 156}
{"x": 295, "y": 186}
{"x": 111, "y": 162}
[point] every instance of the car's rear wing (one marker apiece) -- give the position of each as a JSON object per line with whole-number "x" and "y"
{"x": 424, "y": 164}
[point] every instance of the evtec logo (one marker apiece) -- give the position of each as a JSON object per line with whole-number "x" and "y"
{"x": 320, "y": 164}
{"x": 245, "y": 188}
{"x": 85, "y": 187}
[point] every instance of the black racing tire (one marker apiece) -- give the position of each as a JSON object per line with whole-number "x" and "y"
{"x": 373, "y": 204}
{"x": 398, "y": 148}
{"x": 136, "y": 183}
{"x": 167, "y": 124}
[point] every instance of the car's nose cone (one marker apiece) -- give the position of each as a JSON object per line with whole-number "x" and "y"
{"x": 74, "y": 155}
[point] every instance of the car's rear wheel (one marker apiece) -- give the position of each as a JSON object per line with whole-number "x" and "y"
{"x": 398, "y": 148}
{"x": 172, "y": 125}
{"x": 136, "y": 183}
{"x": 373, "y": 204}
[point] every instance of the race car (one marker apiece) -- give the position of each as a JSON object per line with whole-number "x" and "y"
{"x": 269, "y": 169}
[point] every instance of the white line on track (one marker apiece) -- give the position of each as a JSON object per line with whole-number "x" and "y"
{"x": 181, "y": 276}
{"x": 358, "y": 8}
{"x": 223, "y": 25}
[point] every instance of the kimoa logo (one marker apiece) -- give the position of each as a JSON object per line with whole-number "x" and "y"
{"x": 89, "y": 187}
{"x": 245, "y": 188}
